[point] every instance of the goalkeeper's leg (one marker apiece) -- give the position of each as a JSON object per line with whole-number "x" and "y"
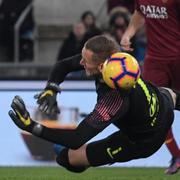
{"x": 177, "y": 104}
{"x": 175, "y": 96}
{"x": 73, "y": 160}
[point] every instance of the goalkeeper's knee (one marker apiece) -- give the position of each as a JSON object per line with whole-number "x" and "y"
{"x": 177, "y": 105}
{"x": 63, "y": 160}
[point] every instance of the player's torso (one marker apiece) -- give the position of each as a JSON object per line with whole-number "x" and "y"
{"x": 143, "y": 114}
{"x": 143, "y": 103}
{"x": 162, "y": 19}
{"x": 156, "y": 8}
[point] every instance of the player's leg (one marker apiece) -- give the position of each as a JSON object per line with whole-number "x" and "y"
{"x": 176, "y": 81}
{"x": 172, "y": 146}
{"x": 161, "y": 75}
{"x": 156, "y": 72}
{"x": 115, "y": 148}
{"x": 78, "y": 157}
{"x": 177, "y": 105}
{"x": 175, "y": 97}
{"x": 73, "y": 160}
{"x": 175, "y": 152}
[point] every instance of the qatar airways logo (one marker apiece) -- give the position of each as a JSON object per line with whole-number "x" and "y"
{"x": 154, "y": 12}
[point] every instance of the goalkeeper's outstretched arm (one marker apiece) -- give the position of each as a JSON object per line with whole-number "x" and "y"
{"x": 47, "y": 98}
{"x": 94, "y": 123}
{"x": 71, "y": 138}
{"x": 63, "y": 67}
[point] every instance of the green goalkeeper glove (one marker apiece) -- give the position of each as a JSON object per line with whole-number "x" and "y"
{"x": 47, "y": 99}
{"x": 21, "y": 117}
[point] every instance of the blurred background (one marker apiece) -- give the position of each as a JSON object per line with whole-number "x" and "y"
{"x": 34, "y": 34}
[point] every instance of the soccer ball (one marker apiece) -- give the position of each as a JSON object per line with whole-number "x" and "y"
{"x": 121, "y": 71}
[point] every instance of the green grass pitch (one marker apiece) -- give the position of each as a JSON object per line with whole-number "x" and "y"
{"x": 58, "y": 173}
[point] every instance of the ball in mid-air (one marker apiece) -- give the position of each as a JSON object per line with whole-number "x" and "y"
{"x": 121, "y": 71}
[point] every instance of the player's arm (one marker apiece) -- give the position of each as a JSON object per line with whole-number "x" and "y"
{"x": 72, "y": 138}
{"x": 136, "y": 22}
{"x": 106, "y": 111}
{"x": 47, "y": 98}
{"x": 63, "y": 67}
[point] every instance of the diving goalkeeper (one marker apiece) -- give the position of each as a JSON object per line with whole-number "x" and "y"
{"x": 143, "y": 115}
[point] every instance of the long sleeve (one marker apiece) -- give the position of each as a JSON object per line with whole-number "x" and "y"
{"x": 70, "y": 138}
{"x": 108, "y": 109}
{"x": 63, "y": 67}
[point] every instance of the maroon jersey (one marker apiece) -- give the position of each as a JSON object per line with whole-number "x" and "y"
{"x": 162, "y": 19}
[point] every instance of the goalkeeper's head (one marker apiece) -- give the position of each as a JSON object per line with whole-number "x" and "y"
{"x": 95, "y": 51}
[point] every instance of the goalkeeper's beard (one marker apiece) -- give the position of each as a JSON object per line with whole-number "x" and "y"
{"x": 93, "y": 74}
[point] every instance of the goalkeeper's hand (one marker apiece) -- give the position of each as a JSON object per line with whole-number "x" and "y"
{"x": 20, "y": 115}
{"x": 47, "y": 99}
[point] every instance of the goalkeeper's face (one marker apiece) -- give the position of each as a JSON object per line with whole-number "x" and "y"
{"x": 91, "y": 67}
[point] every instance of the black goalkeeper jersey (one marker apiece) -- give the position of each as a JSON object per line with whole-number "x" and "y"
{"x": 136, "y": 113}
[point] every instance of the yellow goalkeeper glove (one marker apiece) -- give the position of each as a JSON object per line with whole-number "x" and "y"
{"x": 47, "y": 99}
{"x": 20, "y": 115}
